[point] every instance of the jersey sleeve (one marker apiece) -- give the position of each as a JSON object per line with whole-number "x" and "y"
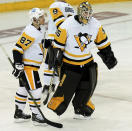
{"x": 101, "y": 40}
{"x": 24, "y": 42}
{"x": 60, "y": 38}
{"x": 57, "y": 16}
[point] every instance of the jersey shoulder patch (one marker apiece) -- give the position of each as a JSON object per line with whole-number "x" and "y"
{"x": 25, "y": 41}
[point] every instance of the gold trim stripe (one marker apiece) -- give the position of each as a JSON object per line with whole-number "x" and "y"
{"x": 30, "y": 102}
{"x": 77, "y": 63}
{"x": 20, "y": 99}
{"x": 48, "y": 71}
{"x": 60, "y": 21}
{"x": 31, "y": 68}
{"x": 27, "y": 60}
{"x": 70, "y": 54}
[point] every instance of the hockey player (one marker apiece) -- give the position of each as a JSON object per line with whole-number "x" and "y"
{"x": 58, "y": 12}
{"x": 79, "y": 71}
{"x": 28, "y": 56}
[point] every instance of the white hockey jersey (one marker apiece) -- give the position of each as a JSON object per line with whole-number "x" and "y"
{"x": 76, "y": 40}
{"x": 59, "y": 11}
{"x": 30, "y": 45}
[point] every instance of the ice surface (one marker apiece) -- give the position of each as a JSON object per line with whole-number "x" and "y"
{"x": 113, "y": 95}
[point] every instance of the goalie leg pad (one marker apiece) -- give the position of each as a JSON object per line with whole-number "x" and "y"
{"x": 62, "y": 97}
{"x": 85, "y": 90}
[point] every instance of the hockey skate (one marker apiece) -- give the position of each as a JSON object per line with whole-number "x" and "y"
{"x": 38, "y": 120}
{"x": 83, "y": 113}
{"x": 19, "y": 116}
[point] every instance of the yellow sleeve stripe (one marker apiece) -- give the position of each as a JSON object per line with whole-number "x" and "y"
{"x": 62, "y": 48}
{"x": 59, "y": 23}
{"x": 101, "y": 35}
{"x": 102, "y": 47}
{"x": 25, "y": 41}
{"x": 104, "y": 40}
{"x": 70, "y": 54}
{"x": 61, "y": 36}
{"x": 19, "y": 51}
{"x": 27, "y": 60}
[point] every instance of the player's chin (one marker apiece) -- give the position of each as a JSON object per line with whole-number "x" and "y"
{"x": 42, "y": 23}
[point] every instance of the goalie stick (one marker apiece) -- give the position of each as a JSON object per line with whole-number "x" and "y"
{"x": 58, "y": 125}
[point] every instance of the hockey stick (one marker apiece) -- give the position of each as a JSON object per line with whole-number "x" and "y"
{"x": 50, "y": 89}
{"x": 58, "y": 125}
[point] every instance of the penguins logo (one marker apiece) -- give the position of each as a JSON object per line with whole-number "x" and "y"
{"x": 83, "y": 40}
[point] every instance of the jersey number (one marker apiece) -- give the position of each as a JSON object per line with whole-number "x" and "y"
{"x": 58, "y": 32}
{"x": 25, "y": 41}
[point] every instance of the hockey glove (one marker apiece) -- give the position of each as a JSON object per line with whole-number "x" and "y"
{"x": 108, "y": 57}
{"x": 55, "y": 58}
{"x": 18, "y": 70}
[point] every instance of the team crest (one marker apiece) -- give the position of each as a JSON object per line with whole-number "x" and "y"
{"x": 83, "y": 40}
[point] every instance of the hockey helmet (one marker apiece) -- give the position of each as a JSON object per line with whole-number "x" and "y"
{"x": 84, "y": 12}
{"x": 35, "y": 13}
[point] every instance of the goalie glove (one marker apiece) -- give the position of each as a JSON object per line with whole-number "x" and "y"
{"x": 55, "y": 58}
{"x": 108, "y": 57}
{"x": 18, "y": 70}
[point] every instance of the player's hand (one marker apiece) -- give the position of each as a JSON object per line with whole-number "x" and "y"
{"x": 109, "y": 60}
{"x": 18, "y": 70}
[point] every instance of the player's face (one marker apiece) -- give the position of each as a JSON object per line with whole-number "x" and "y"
{"x": 85, "y": 14}
{"x": 41, "y": 20}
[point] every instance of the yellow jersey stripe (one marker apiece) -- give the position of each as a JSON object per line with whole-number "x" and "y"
{"x": 70, "y": 54}
{"x": 27, "y": 60}
{"x": 59, "y": 22}
{"x": 31, "y": 68}
{"x": 77, "y": 63}
{"x": 48, "y": 71}
{"x": 30, "y": 78}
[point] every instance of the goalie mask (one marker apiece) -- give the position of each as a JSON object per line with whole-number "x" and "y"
{"x": 84, "y": 12}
